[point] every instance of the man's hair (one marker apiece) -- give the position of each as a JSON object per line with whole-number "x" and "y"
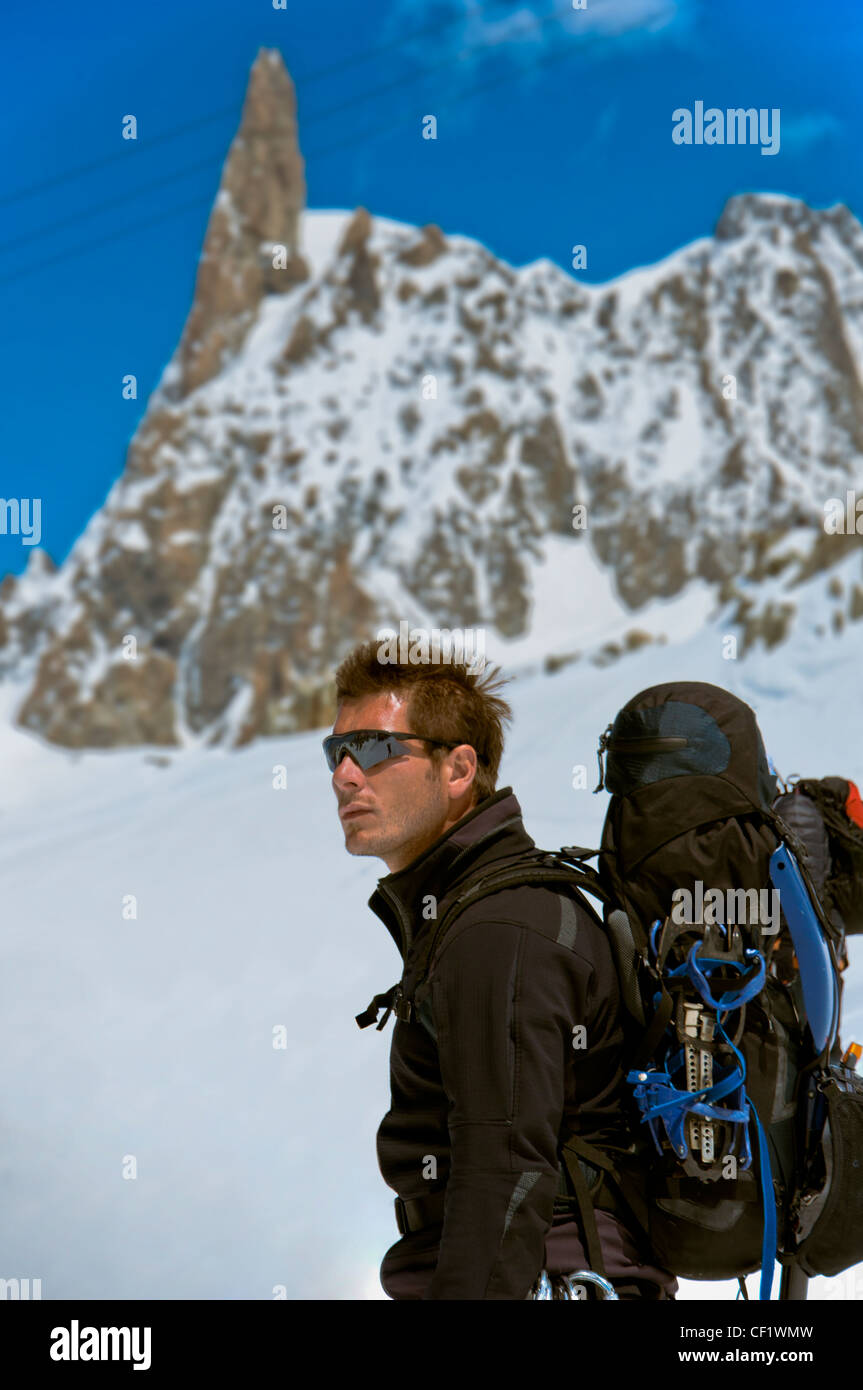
{"x": 445, "y": 701}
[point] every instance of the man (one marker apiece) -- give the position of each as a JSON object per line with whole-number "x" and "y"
{"x": 481, "y": 1081}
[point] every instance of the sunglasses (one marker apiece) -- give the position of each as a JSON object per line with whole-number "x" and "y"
{"x": 368, "y": 747}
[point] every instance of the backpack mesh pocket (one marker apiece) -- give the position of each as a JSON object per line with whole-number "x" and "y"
{"x": 835, "y": 1242}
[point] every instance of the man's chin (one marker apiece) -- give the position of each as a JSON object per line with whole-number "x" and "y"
{"x": 361, "y": 840}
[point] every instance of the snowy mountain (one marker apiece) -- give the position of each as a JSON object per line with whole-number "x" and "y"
{"x": 366, "y": 422}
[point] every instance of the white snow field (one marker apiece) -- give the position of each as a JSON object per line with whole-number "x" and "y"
{"x": 150, "y": 1037}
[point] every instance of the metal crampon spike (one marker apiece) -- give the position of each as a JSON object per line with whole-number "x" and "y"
{"x": 542, "y": 1289}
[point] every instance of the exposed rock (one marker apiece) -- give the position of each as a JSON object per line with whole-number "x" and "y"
{"x": 431, "y": 245}
{"x": 258, "y": 206}
{"x": 132, "y": 704}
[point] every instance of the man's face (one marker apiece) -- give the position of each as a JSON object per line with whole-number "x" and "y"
{"x": 398, "y": 808}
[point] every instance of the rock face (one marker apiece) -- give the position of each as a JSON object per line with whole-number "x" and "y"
{"x": 261, "y": 197}
{"x": 388, "y": 423}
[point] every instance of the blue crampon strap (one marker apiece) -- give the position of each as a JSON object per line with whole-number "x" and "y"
{"x": 657, "y": 1095}
{"x": 768, "y": 1244}
{"x": 732, "y": 999}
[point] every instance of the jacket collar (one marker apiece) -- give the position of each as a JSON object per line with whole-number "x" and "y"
{"x": 492, "y": 830}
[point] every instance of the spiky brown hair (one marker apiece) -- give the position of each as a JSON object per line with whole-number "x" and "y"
{"x": 446, "y": 701}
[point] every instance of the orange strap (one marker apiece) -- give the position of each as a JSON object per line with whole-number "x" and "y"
{"x": 854, "y": 805}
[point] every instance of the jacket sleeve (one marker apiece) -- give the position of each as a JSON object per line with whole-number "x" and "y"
{"x": 505, "y": 1001}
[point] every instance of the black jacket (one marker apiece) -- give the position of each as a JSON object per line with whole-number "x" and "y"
{"x": 481, "y": 1084}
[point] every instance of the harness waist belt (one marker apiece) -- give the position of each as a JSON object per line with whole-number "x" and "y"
{"x": 413, "y": 1213}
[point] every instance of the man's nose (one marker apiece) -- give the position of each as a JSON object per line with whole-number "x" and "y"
{"x": 347, "y": 773}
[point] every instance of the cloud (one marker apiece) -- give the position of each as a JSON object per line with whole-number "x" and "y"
{"x": 477, "y": 47}
{"x": 624, "y": 16}
{"x": 475, "y": 30}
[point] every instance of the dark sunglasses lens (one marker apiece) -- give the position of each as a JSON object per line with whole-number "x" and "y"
{"x": 366, "y": 749}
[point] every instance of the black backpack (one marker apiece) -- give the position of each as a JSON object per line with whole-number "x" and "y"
{"x": 745, "y": 1127}
{"x": 692, "y": 803}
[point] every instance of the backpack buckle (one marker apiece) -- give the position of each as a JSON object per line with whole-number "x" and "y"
{"x": 403, "y": 1008}
{"x": 604, "y": 740}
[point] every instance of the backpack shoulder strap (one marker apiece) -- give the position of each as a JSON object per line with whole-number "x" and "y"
{"x": 540, "y": 868}
{"x": 537, "y": 867}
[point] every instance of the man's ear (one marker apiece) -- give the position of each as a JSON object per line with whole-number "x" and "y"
{"x": 462, "y": 767}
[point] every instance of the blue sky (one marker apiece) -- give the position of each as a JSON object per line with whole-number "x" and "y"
{"x": 554, "y": 128}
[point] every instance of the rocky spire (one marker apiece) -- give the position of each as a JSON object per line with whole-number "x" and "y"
{"x": 257, "y": 210}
